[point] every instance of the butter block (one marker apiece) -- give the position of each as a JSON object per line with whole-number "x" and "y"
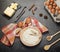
{"x": 9, "y": 11}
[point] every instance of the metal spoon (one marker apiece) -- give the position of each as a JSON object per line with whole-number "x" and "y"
{"x": 51, "y": 36}
{"x": 47, "y": 47}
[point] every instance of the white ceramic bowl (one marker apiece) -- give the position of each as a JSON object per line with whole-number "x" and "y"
{"x": 30, "y": 36}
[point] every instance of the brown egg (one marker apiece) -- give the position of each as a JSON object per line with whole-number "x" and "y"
{"x": 53, "y": 11}
{"x": 28, "y": 20}
{"x": 57, "y": 8}
{"x": 51, "y": 0}
{"x": 59, "y": 11}
{"x": 54, "y": 4}
{"x": 54, "y": 7}
{"x": 50, "y": 7}
{"x": 46, "y": 3}
{"x": 20, "y": 24}
{"x": 51, "y": 3}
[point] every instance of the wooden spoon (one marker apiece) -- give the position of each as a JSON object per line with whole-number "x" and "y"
{"x": 47, "y": 47}
{"x": 51, "y": 36}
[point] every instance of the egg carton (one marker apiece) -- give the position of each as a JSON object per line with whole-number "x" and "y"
{"x": 55, "y": 18}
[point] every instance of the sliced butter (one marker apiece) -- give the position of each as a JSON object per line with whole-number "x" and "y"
{"x": 9, "y": 11}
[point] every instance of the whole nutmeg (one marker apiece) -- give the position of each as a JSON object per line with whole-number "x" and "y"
{"x": 45, "y": 17}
